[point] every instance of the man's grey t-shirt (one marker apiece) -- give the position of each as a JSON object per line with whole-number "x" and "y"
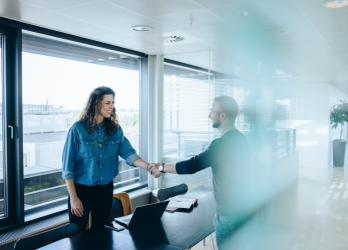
{"x": 229, "y": 157}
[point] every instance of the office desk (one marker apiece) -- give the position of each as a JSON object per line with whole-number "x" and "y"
{"x": 103, "y": 238}
{"x": 181, "y": 229}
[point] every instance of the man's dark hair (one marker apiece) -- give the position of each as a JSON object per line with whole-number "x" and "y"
{"x": 227, "y": 105}
{"x": 90, "y": 112}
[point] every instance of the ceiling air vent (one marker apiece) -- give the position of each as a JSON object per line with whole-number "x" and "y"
{"x": 173, "y": 39}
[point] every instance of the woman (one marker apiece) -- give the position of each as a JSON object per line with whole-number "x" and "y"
{"x": 90, "y": 159}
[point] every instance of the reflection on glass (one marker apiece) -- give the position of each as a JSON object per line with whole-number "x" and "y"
{"x": 58, "y": 77}
{"x": 264, "y": 119}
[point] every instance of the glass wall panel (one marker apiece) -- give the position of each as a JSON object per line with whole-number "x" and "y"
{"x": 265, "y": 96}
{"x": 58, "y": 77}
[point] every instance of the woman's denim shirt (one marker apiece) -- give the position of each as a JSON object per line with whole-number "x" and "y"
{"x": 90, "y": 164}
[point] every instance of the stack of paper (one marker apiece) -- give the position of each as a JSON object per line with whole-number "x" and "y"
{"x": 181, "y": 203}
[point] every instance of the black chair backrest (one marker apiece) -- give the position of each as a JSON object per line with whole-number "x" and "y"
{"x": 116, "y": 209}
{"x": 45, "y": 238}
{"x": 166, "y": 193}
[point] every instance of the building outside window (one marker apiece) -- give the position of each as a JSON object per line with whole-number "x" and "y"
{"x": 58, "y": 77}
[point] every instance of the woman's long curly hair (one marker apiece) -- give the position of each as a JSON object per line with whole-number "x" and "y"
{"x": 91, "y": 111}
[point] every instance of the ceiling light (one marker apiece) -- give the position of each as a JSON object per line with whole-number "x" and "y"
{"x": 141, "y": 28}
{"x": 244, "y": 13}
{"x": 336, "y": 3}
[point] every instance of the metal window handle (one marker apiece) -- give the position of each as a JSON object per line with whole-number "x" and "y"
{"x": 11, "y": 131}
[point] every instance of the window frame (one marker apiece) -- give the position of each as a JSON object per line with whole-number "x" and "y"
{"x": 11, "y": 64}
{"x": 12, "y": 96}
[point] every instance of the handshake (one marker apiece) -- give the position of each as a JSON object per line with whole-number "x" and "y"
{"x": 154, "y": 169}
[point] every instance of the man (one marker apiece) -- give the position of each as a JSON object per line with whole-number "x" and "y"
{"x": 229, "y": 157}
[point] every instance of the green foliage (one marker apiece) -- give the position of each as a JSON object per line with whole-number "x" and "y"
{"x": 35, "y": 187}
{"x": 339, "y": 115}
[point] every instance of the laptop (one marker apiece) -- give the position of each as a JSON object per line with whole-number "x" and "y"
{"x": 143, "y": 214}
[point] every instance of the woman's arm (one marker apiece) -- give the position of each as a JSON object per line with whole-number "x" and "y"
{"x": 76, "y": 204}
{"x": 142, "y": 164}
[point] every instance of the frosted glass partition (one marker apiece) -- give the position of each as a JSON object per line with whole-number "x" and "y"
{"x": 265, "y": 118}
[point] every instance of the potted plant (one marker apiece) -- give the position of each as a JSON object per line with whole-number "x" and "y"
{"x": 338, "y": 116}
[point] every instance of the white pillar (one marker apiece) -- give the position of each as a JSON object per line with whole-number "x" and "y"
{"x": 155, "y": 113}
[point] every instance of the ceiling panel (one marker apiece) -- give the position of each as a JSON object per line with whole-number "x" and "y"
{"x": 338, "y": 47}
{"x": 214, "y": 3}
{"x": 157, "y": 7}
{"x": 202, "y": 17}
{"x": 230, "y": 12}
{"x": 342, "y": 63}
{"x": 125, "y": 27}
{"x": 102, "y": 34}
{"x": 101, "y": 13}
{"x": 211, "y": 33}
{"x": 308, "y": 47}
{"x": 132, "y": 43}
{"x": 159, "y": 38}
{"x": 315, "y": 8}
{"x": 288, "y": 37}
{"x": 298, "y": 35}
{"x": 335, "y": 33}
{"x": 58, "y": 22}
{"x": 332, "y": 21}
{"x": 191, "y": 47}
{"x": 279, "y": 13}
{"x": 57, "y": 5}
{"x": 19, "y": 10}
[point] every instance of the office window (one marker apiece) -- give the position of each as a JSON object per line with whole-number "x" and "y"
{"x": 187, "y": 129}
{"x": 264, "y": 119}
{"x": 58, "y": 77}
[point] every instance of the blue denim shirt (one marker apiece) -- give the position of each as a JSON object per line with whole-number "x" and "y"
{"x": 90, "y": 164}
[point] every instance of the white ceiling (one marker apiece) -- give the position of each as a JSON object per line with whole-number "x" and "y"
{"x": 300, "y": 37}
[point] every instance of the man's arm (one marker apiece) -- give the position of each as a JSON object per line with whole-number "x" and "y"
{"x": 197, "y": 163}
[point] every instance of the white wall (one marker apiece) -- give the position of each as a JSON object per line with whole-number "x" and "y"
{"x": 311, "y": 119}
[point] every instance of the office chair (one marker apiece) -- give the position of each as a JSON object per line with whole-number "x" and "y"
{"x": 116, "y": 210}
{"x": 166, "y": 193}
{"x": 45, "y": 238}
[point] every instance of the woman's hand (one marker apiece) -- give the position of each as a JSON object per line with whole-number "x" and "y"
{"x": 76, "y": 207}
{"x": 153, "y": 169}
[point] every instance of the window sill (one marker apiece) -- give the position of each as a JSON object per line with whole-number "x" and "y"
{"x": 133, "y": 191}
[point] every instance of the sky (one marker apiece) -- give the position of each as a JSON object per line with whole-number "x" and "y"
{"x": 69, "y": 83}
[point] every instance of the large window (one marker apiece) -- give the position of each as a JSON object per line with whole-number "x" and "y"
{"x": 187, "y": 129}
{"x": 264, "y": 119}
{"x": 58, "y": 77}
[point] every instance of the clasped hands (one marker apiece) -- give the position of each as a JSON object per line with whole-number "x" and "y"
{"x": 153, "y": 170}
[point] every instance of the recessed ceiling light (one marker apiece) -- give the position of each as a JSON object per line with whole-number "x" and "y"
{"x": 336, "y": 3}
{"x": 244, "y": 13}
{"x": 141, "y": 28}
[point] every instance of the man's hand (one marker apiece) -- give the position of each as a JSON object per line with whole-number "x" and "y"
{"x": 153, "y": 169}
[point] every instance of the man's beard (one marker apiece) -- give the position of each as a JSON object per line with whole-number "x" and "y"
{"x": 216, "y": 124}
